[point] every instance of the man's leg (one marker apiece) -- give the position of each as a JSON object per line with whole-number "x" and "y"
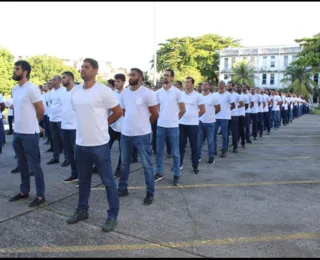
{"x": 160, "y": 141}
{"x": 216, "y": 128}
{"x": 235, "y": 131}
{"x": 260, "y": 114}
{"x": 210, "y": 128}
{"x": 182, "y": 142}
{"x": 254, "y": 125}
{"x": 173, "y": 135}
{"x": 241, "y": 129}
{"x": 10, "y": 119}
{"x": 193, "y": 139}
{"x": 126, "y": 144}
{"x": 247, "y": 122}
{"x": 69, "y": 137}
{"x": 224, "y": 130}
{"x": 1, "y": 134}
{"x": 101, "y": 158}
{"x": 154, "y": 137}
{"x": 55, "y": 140}
{"x": 201, "y": 134}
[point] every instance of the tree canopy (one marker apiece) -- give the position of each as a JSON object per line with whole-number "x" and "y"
{"x": 196, "y": 54}
{"x": 6, "y": 71}
{"x": 242, "y": 73}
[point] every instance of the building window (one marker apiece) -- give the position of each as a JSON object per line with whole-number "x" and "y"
{"x": 264, "y": 64}
{"x": 285, "y": 61}
{"x": 271, "y": 79}
{"x": 226, "y": 60}
{"x": 225, "y": 76}
{"x": 294, "y": 58}
{"x": 316, "y": 78}
{"x": 273, "y": 61}
{"x": 264, "y": 79}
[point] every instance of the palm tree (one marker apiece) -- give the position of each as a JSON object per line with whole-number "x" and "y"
{"x": 242, "y": 73}
{"x": 299, "y": 79}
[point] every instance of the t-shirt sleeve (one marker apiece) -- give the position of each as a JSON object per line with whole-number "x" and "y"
{"x": 230, "y": 99}
{"x": 215, "y": 100}
{"x": 151, "y": 99}
{"x": 34, "y": 94}
{"x": 1, "y": 99}
{"x": 200, "y": 100}
{"x": 240, "y": 98}
{"x": 109, "y": 100}
{"x": 157, "y": 96}
{"x": 179, "y": 97}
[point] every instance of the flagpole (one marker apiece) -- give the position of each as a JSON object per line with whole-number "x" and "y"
{"x": 154, "y": 45}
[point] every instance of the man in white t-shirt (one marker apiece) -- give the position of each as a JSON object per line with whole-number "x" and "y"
{"x": 266, "y": 113}
{"x": 69, "y": 124}
{"x": 260, "y": 112}
{"x": 28, "y": 111}
{"x": 276, "y": 109}
{"x": 171, "y": 109}
{"x": 55, "y": 120}
{"x": 290, "y": 106}
{"x": 234, "y": 121}
{"x": 2, "y": 108}
{"x": 9, "y": 106}
{"x": 223, "y": 117}
{"x": 91, "y": 102}
{"x": 242, "y": 114}
{"x": 247, "y": 103}
{"x": 48, "y": 102}
{"x": 45, "y": 115}
{"x": 115, "y": 128}
{"x": 254, "y": 110}
{"x": 189, "y": 123}
{"x": 140, "y": 110}
{"x": 207, "y": 122}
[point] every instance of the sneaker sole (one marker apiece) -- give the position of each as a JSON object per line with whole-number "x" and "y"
{"x": 108, "y": 230}
{"x": 212, "y": 162}
{"x": 70, "y": 223}
{"x": 66, "y": 182}
{"x": 159, "y": 179}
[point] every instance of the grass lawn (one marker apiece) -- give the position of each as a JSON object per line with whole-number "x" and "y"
{"x": 316, "y": 110}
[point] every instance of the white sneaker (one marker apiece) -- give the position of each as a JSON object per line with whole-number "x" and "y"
{"x": 181, "y": 167}
{"x": 200, "y": 160}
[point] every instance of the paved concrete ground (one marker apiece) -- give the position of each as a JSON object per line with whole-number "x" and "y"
{"x": 261, "y": 202}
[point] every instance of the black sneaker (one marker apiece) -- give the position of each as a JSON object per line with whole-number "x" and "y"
{"x": 176, "y": 181}
{"x": 195, "y": 170}
{"x": 249, "y": 141}
{"x": 16, "y": 170}
{"x": 37, "y": 202}
{"x": 109, "y": 225}
{"x": 117, "y": 174}
{"x": 123, "y": 193}
{"x": 53, "y": 161}
{"x": 31, "y": 174}
{"x": 49, "y": 150}
{"x": 268, "y": 133}
{"x": 211, "y": 161}
{"x": 255, "y": 138}
{"x": 223, "y": 154}
{"x": 158, "y": 177}
{"x": 243, "y": 146}
{"x": 148, "y": 199}
{"x": 80, "y": 214}
{"x": 19, "y": 197}
{"x": 70, "y": 179}
{"x": 65, "y": 163}
{"x": 235, "y": 151}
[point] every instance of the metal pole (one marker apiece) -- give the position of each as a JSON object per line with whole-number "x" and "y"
{"x": 154, "y": 45}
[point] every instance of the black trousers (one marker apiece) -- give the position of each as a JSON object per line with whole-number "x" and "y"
{"x": 233, "y": 128}
{"x": 260, "y": 123}
{"x": 10, "y": 121}
{"x": 191, "y": 132}
{"x": 241, "y": 125}
{"x": 266, "y": 121}
{"x": 254, "y": 118}
{"x": 247, "y": 125}
{"x": 56, "y": 139}
{"x": 115, "y": 136}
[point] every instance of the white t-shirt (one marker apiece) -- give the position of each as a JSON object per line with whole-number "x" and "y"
{"x": 137, "y": 115}
{"x": 249, "y": 96}
{"x": 225, "y": 111}
{"x": 236, "y": 99}
{"x": 8, "y": 103}
{"x": 267, "y": 100}
{"x": 43, "y": 98}
{"x": 117, "y": 126}
{"x": 56, "y": 104}
{"x": 192, "y": 102}
{"x": 68, "y": 118}
{"x": 91, "y": 107}
{"x": 210, "y": 101}
{"x": 1, "y": 101}
{"x": 25, "y": 115}
{"x": 262, "y": 99}
{"x": 255, "y": 99}
{"x": 47, "y": 97}
{"x": 169, "y": 107}
{"x": 242, "y": 110}
{"x": 276, "y": 100}
{"x": 285, "y": 100}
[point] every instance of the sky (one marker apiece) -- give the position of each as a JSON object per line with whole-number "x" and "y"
{"x": 124, "y": 32}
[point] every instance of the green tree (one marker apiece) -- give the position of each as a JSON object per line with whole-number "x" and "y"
{"x": 6, "y": 71}
{"x": 101, "y": 80}
{"x": 199, "y": 53}
{"x": 189, "y": 71}
{"x": 242, "y": 73}
{"x": 43, "y": 68}
{"x": 310, "y": 53}
{"x": 299, "y": 79}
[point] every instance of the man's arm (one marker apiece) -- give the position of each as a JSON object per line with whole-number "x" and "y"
{"x": 233, "y": 105}
{"x": 241, "y": 104}
{"x": 116, "y": 114}
{"x": 182, "y": 107}
{"x": 202, "y": 110}
{"x": 251, "y": 104}
{"x": 2, "y": 106}
{"x": 154, "y": 111}
{"x": 39, "y": 109}
{"x": 217, "y": 108}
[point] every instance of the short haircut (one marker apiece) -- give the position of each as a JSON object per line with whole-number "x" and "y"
{"x": 192, "y": 80}
{"x": 230, "y": 82}
{"x": 111, "y": 81}
{"x": 69, "y": 73}
{"x": 147, "y": 83}
{"x": 171, "y": 72}
{"x": 120, "y": 76}
{"x": 179, "y": 82}
{"x": 58, "y": 77}
{"x": 25, "y": 66}
{"x": 139, "y": 71}
{"x": 94, "y": 64}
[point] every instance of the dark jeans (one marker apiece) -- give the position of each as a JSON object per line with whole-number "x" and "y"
{"x": 57, "y": 139}
{"x": 191, "y": 132}
{"x": 10, "y": 121}
{"x": 134, "y": 153}
{"x": 26, "y": 147}
{"x": 86, "y": 156}
{"x": 113, "y": 137}
{"x": 241, "y": 124}
{"x": 234, "y": 126}
{"x": 206, "y": 130}
{"x": 142, "y": 143}
{"x": 285, "y": 118}
{"x": 247, "y": 124}
{"x": 172, "y": 134}
{"x": 254, "y": 118}
{"x": 69, "y": 142}
{"x": 1, "y": 134}
{"x": 266, "y": 120}
{"x": 154, "y": 139}
{"x": 223, "y": 123}
{"x": 46, "y": 124}
{"x": 260, "y": 123}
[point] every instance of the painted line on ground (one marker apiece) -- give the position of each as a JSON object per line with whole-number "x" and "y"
{"x": 145, "y": 246}
{"x": 211, "y": 185}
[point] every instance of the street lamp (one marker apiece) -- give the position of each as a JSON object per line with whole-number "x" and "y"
{"x": 154, "y": 45}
